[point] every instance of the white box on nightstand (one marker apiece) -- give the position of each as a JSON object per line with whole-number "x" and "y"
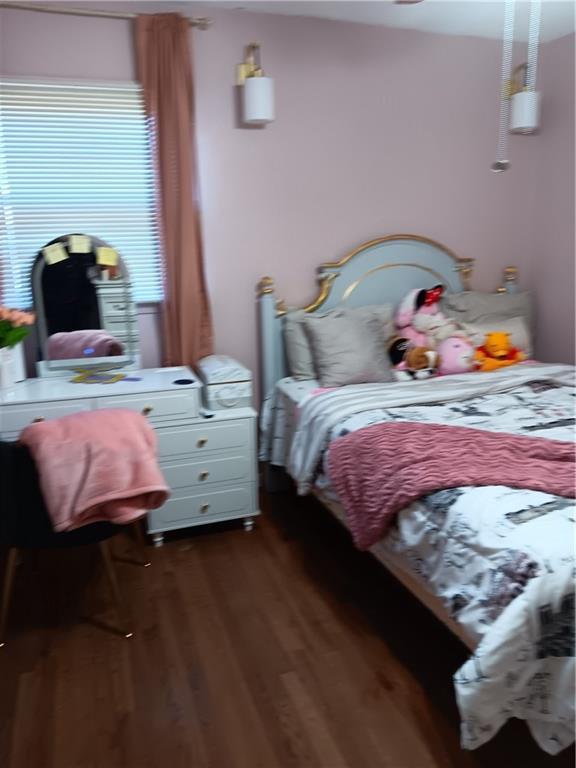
{"x": 227, "y": 383}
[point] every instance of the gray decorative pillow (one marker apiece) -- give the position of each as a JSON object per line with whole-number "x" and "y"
{"x": 379, "y": 320}
{"x": 379, "y": 316}
{"x": 477, "y": 307}
{"x": 298, "y": 351}
{"x": 350, "y": 347}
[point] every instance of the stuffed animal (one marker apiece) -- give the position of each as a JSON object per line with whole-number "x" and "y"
{"x": 456, "y": 355}
{"x": 411, "y": 362}
{"x": 497, "y": 352}
{"x": 420, "y": 320}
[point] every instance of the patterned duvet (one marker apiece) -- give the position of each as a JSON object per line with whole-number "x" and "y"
{"x": 502, "y": 560}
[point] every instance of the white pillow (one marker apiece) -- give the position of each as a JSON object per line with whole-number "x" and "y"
{"x": 481, "y": 313}
{"x": 515, "y": 326}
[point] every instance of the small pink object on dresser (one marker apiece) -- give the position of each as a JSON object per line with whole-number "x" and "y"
{"x": 95, "y": 466}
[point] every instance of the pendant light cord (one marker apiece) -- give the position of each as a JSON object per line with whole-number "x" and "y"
{"x": 506, "y": 72}
{"x": 533, "y": 39}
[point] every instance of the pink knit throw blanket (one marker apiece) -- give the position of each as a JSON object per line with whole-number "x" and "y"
{"x": 99, "y": 465}
{"x": 380, "y": 469}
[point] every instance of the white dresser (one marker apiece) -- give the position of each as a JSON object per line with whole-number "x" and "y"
{"x": 209, "y": 461}
{"x": 118, "y": 313}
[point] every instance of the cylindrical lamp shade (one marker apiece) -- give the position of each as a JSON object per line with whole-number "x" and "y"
{"x": 258, "y": 98}
{"x": 525, "y": 112}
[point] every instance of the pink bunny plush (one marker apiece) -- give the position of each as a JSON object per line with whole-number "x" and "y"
{"x": 420, "y": 320}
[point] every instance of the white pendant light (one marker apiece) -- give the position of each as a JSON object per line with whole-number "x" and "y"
{"x": 257, "y": 89}
{"x": 525, "y": 113}
{"x": 258, "y": 100}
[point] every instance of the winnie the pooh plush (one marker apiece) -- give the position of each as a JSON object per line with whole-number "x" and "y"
{"x": 497, "y": 352}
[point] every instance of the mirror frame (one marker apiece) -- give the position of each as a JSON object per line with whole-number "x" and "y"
{"x": 46, "y": 367}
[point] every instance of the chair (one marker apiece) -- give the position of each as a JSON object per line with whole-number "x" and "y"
{"x": 25, "y": 524}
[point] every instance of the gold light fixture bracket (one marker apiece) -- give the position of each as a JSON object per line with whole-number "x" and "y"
{"x": 251, "y": 66}
{"x": 517, "y": 82}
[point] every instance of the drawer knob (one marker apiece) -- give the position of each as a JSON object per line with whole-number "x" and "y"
{"x": 147, "y": 410}
{"x": 204, "y": 475}
{"x": 202, "y": 442}
{"x": 204, "y": 508}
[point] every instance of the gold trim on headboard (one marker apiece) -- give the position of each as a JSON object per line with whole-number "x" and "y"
{"x": 352, "y": 287}
{"x": 325, "y": 288}
{"x": 464, "y": 266}
{"x": 389, "y": 238}
{"x": 266, "y": 285}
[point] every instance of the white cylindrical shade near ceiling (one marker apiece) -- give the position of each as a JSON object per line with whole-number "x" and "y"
{"x": 258, "y": 98}
{"x": 525, "y": 112}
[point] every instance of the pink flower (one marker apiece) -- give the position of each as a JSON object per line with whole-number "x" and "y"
{"x": 17, "y": 317}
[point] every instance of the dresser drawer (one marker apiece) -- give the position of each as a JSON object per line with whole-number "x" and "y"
{"x": 123, "y": 329}
{"x": 180, "y": 441}
{"x": 196, "y": 508}
{"x": 166, "y": 406}
{"x": 182, "y": 477}
{"x": 117, "y": 306}
{"x": 13, "y": 418}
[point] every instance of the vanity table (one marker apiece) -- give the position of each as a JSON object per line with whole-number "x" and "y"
{"x": 208, "y": 457}
{"x": 208, "y": 462}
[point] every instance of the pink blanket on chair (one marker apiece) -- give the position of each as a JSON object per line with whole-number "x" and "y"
{"x": 99, "y": 465}
{"x": 380, "y": 469}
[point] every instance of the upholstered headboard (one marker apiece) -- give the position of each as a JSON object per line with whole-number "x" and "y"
{"x": 380, "y": 271}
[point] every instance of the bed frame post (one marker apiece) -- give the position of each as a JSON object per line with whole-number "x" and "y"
{"x": 272, "y": 366}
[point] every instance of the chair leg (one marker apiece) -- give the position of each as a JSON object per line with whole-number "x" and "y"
{"x": 141, "y": 541}
{"x": 111, "y": 574}
{"x": 11, "y": 561}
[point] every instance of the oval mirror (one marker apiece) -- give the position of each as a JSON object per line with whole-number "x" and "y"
{"x": 86, "y": 317}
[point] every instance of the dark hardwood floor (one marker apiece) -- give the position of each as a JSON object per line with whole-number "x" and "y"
{"x": 280, "y": 648}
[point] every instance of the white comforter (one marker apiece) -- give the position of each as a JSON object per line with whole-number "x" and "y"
{"x": 466, "y": 542}
{"x": 322, "y": 413}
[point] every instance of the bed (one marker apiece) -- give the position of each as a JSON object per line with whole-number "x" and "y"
{"x": 495, "y": 564}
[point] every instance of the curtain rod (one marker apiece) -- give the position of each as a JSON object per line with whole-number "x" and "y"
{"x": 202, "y": 22}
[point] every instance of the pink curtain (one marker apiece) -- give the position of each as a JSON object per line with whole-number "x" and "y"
{"x": 164, "y": 70}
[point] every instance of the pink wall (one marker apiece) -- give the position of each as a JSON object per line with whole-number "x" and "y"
{"x": 553, "y": 256}
{"x": 377, "y": 131}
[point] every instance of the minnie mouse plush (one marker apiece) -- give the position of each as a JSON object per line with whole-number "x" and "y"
{"x": 420, "y": 320}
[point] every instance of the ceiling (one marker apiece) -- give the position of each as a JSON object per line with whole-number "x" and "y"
{"x": 480, "y": 18}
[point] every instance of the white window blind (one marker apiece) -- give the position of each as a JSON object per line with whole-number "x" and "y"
{"x": 75, "y": 158}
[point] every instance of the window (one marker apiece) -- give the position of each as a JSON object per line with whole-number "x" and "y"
{"x": 75, "y": 158}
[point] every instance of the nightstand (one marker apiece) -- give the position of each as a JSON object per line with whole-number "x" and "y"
{"x": 210, "y": 466}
